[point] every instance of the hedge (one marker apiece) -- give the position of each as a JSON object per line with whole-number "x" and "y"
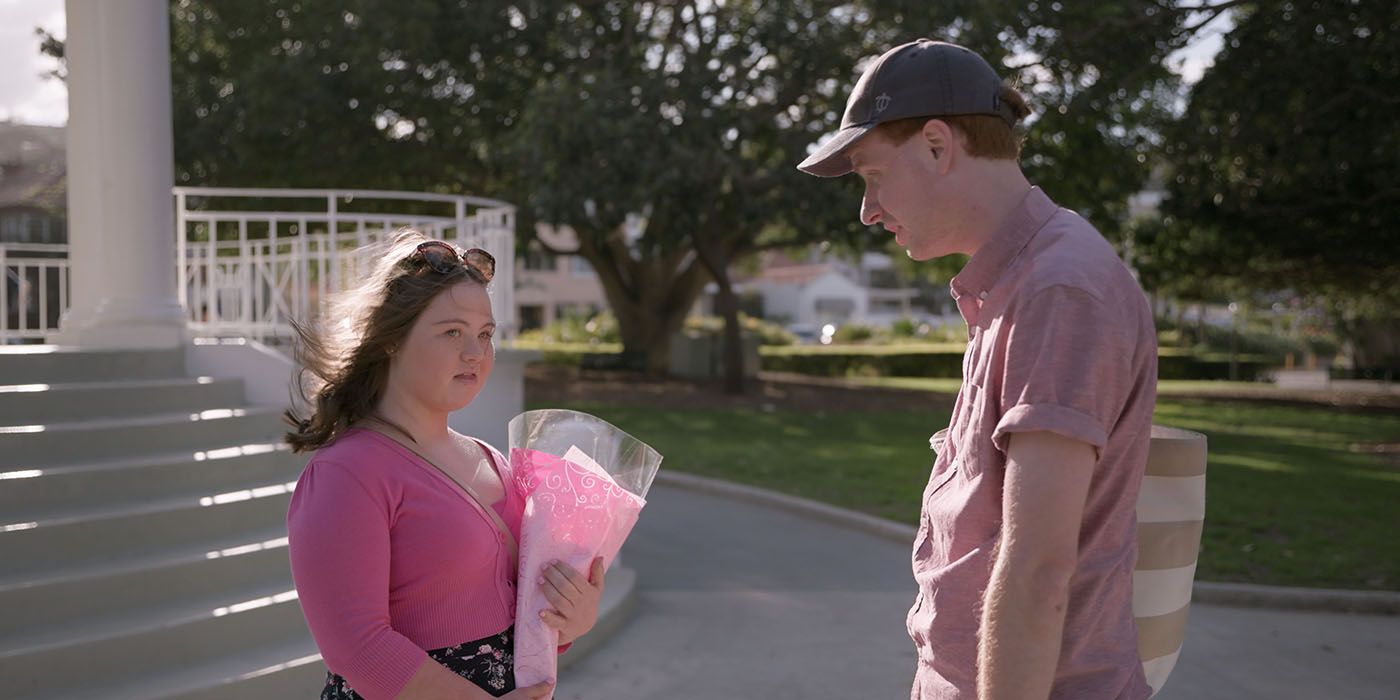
{"x": 857, "y": 363}
{"x": 944, "y": 363}
{"x": 1173, "y": 364}
{"x": 922, "y": 360}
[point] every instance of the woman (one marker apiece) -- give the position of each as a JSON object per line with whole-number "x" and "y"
{"x": 402, "y": 531}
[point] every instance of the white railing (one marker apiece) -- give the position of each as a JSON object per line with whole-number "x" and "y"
{"x": 246, "y": 271}
{"x": 34, "y": 292}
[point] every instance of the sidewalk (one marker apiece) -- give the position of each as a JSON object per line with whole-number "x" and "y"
{"x": 739, "y": 601}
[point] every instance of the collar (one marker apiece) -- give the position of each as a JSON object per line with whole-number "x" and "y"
{"x": 986, "y": 267}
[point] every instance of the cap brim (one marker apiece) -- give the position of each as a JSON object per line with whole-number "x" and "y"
{"x": 831, "y": 160}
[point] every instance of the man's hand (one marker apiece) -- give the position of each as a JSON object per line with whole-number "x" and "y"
{"x": 574, "y": 598}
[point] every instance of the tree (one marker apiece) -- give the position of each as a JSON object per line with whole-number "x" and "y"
{"x": 695, "y": 114}
{"x": 1286, "y": 163}
{"x": 665, "y": 133}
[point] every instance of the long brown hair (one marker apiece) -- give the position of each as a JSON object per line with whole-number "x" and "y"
{"x": 344, "y": 354}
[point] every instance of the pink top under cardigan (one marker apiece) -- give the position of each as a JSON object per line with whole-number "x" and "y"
{"x": 392, "y": 558}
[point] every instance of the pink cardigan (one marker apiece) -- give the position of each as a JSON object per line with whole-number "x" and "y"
{"x": 391, "y": 558}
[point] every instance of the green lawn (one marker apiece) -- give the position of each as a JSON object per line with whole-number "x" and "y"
{"x": 1289, "y": 500}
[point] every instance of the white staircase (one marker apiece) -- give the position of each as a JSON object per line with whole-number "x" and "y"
{"x": 143, "y": 550}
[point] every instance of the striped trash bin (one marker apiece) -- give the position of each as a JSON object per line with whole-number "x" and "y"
{"x": 1171, "y": 512}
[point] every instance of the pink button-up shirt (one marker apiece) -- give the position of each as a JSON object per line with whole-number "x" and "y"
{"x": 1060, "y": 339}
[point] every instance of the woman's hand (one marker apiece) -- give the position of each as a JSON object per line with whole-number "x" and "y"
{"x": 534, "y": 692}
{"x": 574, "y": 598}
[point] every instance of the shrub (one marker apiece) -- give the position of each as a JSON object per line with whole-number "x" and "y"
{"x": 768, "y": 333}
{"x": 904, "y": 328}
{"x": 601, "y": 328}
{"x": 853, "y": 333}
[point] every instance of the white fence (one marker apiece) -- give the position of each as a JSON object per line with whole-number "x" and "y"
{"x": 245, "y": 271}
{"x": 34, "y": 291}
{"x": 251, "y": 260}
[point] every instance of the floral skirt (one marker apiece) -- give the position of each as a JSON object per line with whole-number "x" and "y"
{"x": 489, "y": 663}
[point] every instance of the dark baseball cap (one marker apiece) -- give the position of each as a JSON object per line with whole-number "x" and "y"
{"x": 923, "y": 78}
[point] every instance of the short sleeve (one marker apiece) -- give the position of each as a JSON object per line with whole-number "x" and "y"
{"x": 1067, "y": 367}
{"x": 338, "y": 533}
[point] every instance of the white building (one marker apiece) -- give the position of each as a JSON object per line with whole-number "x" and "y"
{"x": 809, "y": 295}
{"x": 549, "y": 286}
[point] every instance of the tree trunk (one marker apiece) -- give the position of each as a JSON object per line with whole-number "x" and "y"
{"x": 1181, "y": 338}
{"x": 643, "y": 333}
{"x": 713, "y": 256}
{"x": 733, "y": 339}
{"x": 650, "y": 297}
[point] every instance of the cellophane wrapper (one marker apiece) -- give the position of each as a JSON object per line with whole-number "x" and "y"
{"x": 584, "y": 482}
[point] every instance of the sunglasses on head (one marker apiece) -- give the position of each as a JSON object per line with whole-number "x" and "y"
{"x": 444, "y": 258}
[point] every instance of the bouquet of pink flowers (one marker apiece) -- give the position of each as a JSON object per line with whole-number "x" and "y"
{"x": 584, "y": 482}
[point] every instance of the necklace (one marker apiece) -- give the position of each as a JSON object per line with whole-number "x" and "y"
{"x": 395, "y": 426}
{"x": 454, "y": 438}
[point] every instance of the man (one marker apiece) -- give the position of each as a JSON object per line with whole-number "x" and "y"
{"x": 1026, "y": 543}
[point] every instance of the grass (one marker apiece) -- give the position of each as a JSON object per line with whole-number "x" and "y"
{"x": 1290, "y": 501}
{"x": 874, "y": 462}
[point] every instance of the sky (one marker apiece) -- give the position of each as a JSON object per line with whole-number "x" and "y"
{"x": 27, "y": 97}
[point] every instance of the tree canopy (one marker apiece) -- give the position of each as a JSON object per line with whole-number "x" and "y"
{"x": 665, "y": 133}
{"x": 1285, "y": 167}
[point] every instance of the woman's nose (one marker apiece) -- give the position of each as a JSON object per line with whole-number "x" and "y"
{"x": 474, "y": 348}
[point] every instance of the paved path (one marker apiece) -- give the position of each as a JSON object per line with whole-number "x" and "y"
{"x": 739, "y": 601}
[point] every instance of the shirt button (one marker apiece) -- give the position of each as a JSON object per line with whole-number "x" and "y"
{"x": 982, "y": 296}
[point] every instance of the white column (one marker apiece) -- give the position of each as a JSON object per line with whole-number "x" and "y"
{"x": 120, "y": 171}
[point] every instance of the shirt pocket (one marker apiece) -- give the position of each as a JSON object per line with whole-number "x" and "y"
{"x": 922, "y": 544}
{"x": 970, "y": 432}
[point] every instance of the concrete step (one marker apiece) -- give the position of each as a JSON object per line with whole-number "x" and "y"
{"x": 143, "y": 549}
{"x": 56, "y": 601}
{"x": 35, "y": 494}
{"x": 116, "y": 622}
{"x": 38, "y": 404}
{"x": 42, "y": 364}
{"x": 246, "y": 537}
{"x": 35, "y": 446}
{"x": 37, "y": 548}
{"x": 178, "y": 637}
{"x": 288, "y": 669}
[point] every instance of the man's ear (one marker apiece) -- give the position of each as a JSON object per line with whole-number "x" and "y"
{"x": 940, "y": 139}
